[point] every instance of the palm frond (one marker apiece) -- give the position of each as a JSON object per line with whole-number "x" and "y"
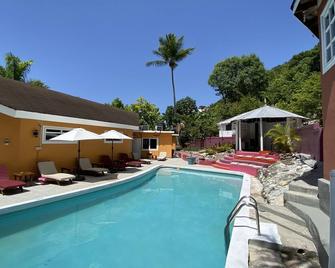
{"x": 157, "y": 63}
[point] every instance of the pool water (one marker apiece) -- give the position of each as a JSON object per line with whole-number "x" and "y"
{"x": 167, "y": 218}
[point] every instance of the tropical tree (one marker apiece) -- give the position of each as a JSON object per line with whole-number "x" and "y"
{"x": 170, "y": 52}
{"x": 117, "y": 103}
{"x": 236, "y": 77}
{"x": 284, "y": 138}
{"x": 17, "y": 69}
{"x": 186, "y": 106}
{"x": 149, "y": 113}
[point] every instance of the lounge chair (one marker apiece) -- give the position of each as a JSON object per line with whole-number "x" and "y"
{"x": 112, "y": 165}
{"x": 137, "y": 157}
{"x": 6, "y": 183}
{"x": 86, "y": 168}
{"x": 162, "y": 156}
{"x": 49, "y": 172}
{"x": 128, "y": 161}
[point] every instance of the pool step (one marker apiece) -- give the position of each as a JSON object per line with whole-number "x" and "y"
{"x": 303, "y": 187}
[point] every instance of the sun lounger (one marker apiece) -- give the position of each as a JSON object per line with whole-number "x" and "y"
{"x": 49, "y": 172}
{"x": 162, "y": 156}
{"x": 8, "y": 184}
{"x": 112, "y": 165}
{"x": 128, "y": 161}
{"x": 137, "y": 157}
{"x": 86, "y": 168}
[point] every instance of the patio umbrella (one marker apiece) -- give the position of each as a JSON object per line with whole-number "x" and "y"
{"x": 77, "y": 134}
{"x": 114, "y": 135}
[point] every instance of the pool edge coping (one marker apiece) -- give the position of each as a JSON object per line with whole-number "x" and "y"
{"x": 231, "y": 260}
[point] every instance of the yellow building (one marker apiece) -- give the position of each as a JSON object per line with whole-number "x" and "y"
{"x": 31, "y": 116}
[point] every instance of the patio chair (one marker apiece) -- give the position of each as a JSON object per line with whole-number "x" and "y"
{"x": 112, "y": 165}
{"x": 128, "y": 161}
{"x": 161, "y": 156}
{"x": 137, "y": 157}
{"x": 49, "y": 172}
{"x": 86, "y": 168}
{"x": 6, "y": 183}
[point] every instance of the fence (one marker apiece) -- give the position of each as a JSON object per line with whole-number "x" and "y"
{"x": 311, "y": 141}
{"x": 211, "y": 142}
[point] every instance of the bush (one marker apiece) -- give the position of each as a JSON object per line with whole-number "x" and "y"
{"x": 227, "y": 147}
{"x": 210, "y": 151}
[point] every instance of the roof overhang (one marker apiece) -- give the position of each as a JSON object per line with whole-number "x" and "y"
{"x": 61, "y": 119}
{"x": 307, "y": 12}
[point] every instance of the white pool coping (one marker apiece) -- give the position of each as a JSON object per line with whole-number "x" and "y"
{"x": 238, "y": 249}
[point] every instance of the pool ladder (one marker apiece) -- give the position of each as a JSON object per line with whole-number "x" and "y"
{"x": 247, "y": 201}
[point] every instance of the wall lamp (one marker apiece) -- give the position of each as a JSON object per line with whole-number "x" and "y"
{"x": 35, "y": 133}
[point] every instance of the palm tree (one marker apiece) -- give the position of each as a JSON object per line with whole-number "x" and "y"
{"x": 170, "y": 52}
{"x": 17, "y": 69}
{"x": 283, "y": 137}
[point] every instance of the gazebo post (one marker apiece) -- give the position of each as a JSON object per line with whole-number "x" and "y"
{"x": 261, "y": 134}
{"x": 236, "y": 136}
{"x": 239, "y": 136}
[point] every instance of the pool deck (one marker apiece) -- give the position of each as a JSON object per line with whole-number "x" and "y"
{"x": 43, "y": 191}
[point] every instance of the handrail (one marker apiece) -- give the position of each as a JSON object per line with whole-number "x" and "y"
{"x": 239, "y": 205}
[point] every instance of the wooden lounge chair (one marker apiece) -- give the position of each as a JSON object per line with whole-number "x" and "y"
{"x": 86, "y": 168}
{"x": 8, "y": 184}
{"x": 49, "y": 172}
{"x": 112, "y": 165}
{"x": 128, "y": 161}
{"x": 161, "y": 156}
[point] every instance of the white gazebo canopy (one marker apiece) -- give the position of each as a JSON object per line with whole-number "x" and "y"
{"x": 259, "y": 113}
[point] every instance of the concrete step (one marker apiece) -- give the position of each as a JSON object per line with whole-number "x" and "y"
{"x": 302, "y": 187}
{"x": 318, "y": 224}
{"x": 301, "y": 198}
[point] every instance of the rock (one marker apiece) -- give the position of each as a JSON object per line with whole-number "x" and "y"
{"x": 311, "y": 163}
{"x": 276, "y": 178}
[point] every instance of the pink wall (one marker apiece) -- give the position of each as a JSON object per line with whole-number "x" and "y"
{"x": 311, "y": 140}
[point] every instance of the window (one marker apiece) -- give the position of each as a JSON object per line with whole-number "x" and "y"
{"x": 150, "y": 144}
{"x": 51, "y": 132}
{"x": 328, "y": 36}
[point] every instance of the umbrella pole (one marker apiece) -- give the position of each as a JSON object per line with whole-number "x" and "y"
{"x": 112, "y": 149}
{"x": 78, "y": 157}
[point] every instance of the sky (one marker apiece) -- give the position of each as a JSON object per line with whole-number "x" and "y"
{"x": 98, "y": 49}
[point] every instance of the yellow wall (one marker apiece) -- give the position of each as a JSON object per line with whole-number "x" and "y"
{"x": 25, "y": 150}
{"x": 166, "y": 143}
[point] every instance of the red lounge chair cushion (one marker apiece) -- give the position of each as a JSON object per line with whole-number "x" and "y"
{"x": 10, "y": 184}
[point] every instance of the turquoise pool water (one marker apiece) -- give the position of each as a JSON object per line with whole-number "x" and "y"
{"x": 167, "y": 218}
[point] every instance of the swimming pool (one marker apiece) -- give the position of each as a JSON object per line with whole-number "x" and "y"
{"x": 165, "y": 218}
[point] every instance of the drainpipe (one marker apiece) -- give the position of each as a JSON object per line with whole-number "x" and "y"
{"x": 332, "y": 220}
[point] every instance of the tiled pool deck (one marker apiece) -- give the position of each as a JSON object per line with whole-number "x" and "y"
{"x": 38, "y": 191}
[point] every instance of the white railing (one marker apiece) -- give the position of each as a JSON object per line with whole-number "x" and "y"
{"x": 226, "y": 133}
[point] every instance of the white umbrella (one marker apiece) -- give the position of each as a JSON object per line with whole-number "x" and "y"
{"x": 114, "y": 135}
{"x": 77, "y": 134}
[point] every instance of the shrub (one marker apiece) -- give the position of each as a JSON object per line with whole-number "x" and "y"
{"x": 284, "y": 138}
{"x": 210, "y": 151}
{"x": 226, "y": 147}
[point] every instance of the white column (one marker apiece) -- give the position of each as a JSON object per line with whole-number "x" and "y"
{"x": 239, "y": 136}
{"x": 236, "y": 136}
{"x": 332, "y": 220}
{"x": 261, "y": 134}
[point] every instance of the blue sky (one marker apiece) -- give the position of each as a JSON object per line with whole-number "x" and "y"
{"x": 98, "y": 49}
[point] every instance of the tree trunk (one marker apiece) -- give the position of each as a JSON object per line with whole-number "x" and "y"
{"x": 174, "y": 94}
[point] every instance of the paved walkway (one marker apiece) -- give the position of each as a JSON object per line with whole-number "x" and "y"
{"x": 39, "y": 191}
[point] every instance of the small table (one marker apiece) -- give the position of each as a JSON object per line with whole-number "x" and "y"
{"x": 24, "y": 176}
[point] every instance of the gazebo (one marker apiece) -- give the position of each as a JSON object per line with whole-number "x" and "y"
{"x": 252, "y": 125}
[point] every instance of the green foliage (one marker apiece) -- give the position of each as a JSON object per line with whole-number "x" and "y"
{"x": 37, "y": 83}
{"x": 210, "y": 151}
{"x": 295, "y": 85}
{"x": 117, "y": 103}
{"x": 186, "y": 106}
{"x": 168, "y": 117}
{"x": 236, "y": 77}
{"x": 284, "y": 138}
{"x": 149, "y": 113}
{"x": 17, "y": 69}
{"x": 226, "y": 147}
{"x": 170, "y": 51}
